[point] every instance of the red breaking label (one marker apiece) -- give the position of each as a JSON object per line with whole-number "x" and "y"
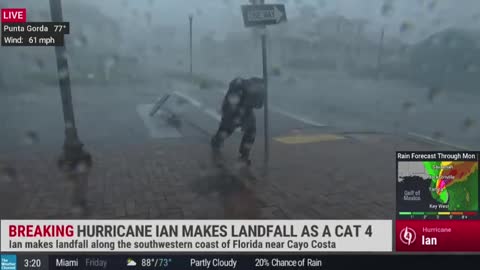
{"x": 14, "y": 15}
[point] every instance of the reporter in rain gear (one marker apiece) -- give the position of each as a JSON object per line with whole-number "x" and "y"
{"x": 242, "y": 97}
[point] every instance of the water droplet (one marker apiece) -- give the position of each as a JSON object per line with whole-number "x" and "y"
{"x": 237, "y": 121}
{"x": 276, "y": 71}
{"x": 135, "y": 12}
{"x": 180, "y": 101}
{"x": 80, "y": 40}
{"x": 110, "y": 61}
{"x": 157, "y": 49}
{"x": 199, "y": 12}
{"x": 437, "y": 135}
{"x": 408, "y": 106}
{"x": 331, "y": 108}
{"x": 424, "y": 67}
{"x": 174, "y": 121}
{"x": 81, "y": 167}
{"x": 148, "y": 18}
{"x": 30, "y": 138}
{"x": 22, "y": 55}
{"x": 233, "y": 99}
{"x": 434, "y": 94}
{"x": 8, "y": 175}
{"x": 223, "y": 135}
{"x": 39, "y": 63}
{"x": 448, "y": 68}
{"x": 44, "y": 15}
{"x": 396, "y": 124}
{"x": 406, "y": 27}
{"x": 291, "y": 81}
{"x": 65, "y": 56}
{"x": 471, "y": 68}
{"x": 63, "y": 73}
{"x": 91, "y": 76}
{"x": 432, "y": 5}
{"x": 435, "y": 41}
{"x": 387, "y": 8}
{"x": 77, "y": 211}
{"x": 468, "y": 123}
{"x": 452, "y": 43}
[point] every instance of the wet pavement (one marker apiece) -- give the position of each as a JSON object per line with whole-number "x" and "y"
{"x": 152, "y": 167}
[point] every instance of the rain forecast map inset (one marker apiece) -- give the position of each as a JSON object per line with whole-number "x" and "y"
{"x": 432, "y": 185}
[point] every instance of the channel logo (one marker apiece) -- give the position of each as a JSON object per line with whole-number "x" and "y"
{"x": 408, "y": 236}
{"x": 8, "y": 262}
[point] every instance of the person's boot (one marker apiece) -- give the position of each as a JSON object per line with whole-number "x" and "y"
{"x": 244, "y": 160}
{"x": 216, "y": 153}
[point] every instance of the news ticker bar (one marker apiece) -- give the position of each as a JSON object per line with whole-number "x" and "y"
{"x": 196, "y": 236}
{"x": 233, "y": 261}
{"x": 34, "y": 33}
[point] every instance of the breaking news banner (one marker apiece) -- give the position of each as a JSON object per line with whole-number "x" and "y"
{"x": 196, "y": 235}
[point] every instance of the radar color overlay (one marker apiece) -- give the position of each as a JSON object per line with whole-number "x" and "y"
{"x": 439, "y": 185}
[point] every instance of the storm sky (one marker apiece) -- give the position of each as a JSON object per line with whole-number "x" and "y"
{"x": 221, "y": 16}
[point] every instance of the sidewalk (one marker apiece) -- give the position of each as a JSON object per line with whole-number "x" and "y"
{"x": 351, "y": 177}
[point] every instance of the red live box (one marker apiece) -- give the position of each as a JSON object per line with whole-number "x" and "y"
{"x": 14, "y": 15}
{"x": 438, "y": 235}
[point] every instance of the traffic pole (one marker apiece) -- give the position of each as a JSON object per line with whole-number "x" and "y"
{"x": 73, "y": 152}
{"x": 380, "y": 52}
{"x": 265, "y": 113}
{"x": 266, "y": 119}
{"x": 190, "y": 18}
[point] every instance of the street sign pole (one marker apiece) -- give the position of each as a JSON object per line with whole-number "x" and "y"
{"x": 265, "y": 113}
{"x": 259, "y": 15}
{"x": 190, "y": 18}
{"x": 266, "y": 157}
{"x": 73, "y": 152}
{"x": 380, "y": 53}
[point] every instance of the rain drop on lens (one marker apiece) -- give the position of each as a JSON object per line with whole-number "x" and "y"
{"x": 471, "y": 68}
{"x": 406, "y": 27}
{"x": 31, "y": 137}
{"x": 437, "y": 135}
{"x": 233, "y": 99}
{"x": 63, "y": 73}
{"x": 434, "y": 94}
{"x": 223, "y": 135}
{"x": 408, "y": 106}
{"x": 387, "y": 8}
{"x": 81, "y": 167}
{"x": 8, "y": 174}
{"x": 80, "y": 40}
{"x": 468, "y": 123}
{"x": 39, "y": 63}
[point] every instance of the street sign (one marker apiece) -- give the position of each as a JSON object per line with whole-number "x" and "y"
{"x": 266, "y": 14}
{"x": 261, "y": 15}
